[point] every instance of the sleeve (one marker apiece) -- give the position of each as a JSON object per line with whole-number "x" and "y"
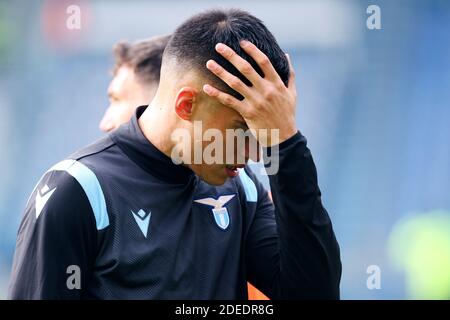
{"x": 56, "y": 242}
{"x": 291, "y": 249}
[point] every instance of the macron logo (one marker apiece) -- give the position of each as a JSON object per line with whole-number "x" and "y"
{"x": 142, "y": 220}
{"x": 42, "y": 196}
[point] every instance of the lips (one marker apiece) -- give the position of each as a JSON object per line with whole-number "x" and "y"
{"x": 232, "y": 171}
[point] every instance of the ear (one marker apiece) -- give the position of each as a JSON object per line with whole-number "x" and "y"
{"x": 184, "y": 102}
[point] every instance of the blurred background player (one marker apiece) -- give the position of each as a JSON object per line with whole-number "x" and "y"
{"x": 135, "y": 79}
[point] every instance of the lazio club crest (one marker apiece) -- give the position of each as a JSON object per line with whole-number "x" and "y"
{"x": 220, "y": 213}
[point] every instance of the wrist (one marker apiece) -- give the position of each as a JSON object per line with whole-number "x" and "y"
{"x": 286, "y": 134}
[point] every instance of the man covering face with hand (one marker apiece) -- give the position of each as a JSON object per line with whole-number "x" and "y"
{"x": 139, "y": 220}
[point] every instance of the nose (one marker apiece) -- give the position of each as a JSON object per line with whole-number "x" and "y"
{"x": 245, "y": 149}
{"x": 245, "y": 154}
{"x": 252, "y": 149}
{"x": 106, "y": 124}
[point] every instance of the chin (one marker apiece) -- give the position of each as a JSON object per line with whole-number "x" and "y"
{"x": 215, "y": 180}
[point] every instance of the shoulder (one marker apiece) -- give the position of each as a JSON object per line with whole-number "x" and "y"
{"x": 75, "y": 186}
{"x": 59, "y": 196}
{"x": 72, "y": 186}
{"x": 95, "y": 148}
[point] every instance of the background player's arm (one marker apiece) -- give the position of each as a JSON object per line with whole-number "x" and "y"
{"x": 291, "y": 249}
{"x": 55, "y": 251}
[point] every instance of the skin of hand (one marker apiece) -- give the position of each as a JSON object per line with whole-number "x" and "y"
{"x": 267, "y": 104}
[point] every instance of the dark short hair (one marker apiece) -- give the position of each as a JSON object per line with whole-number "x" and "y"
{"x": 193, "y": 43}
{"x": 143, "y": 57}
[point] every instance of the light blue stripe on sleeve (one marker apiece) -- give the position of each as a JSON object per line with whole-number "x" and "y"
{"x": 89, "y": 182}
{"x": 249, "y": 186}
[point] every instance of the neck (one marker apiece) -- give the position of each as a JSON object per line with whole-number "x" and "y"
{"x": 156, "y": 125}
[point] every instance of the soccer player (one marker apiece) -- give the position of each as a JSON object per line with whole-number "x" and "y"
{"x": 135, "y": 79}
{"x": 120, "y": 219}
